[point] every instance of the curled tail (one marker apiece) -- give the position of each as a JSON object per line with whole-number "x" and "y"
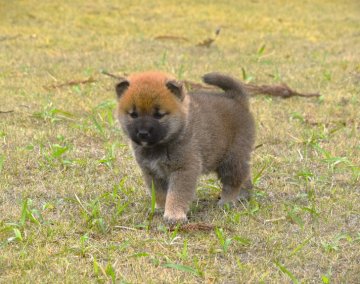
{"x": 232, "y": 87}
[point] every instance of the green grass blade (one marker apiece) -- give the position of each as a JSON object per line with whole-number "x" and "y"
{"x": 287, "y": 272}
{"x": 153, "y": 198}
{"x": 301, "y": 245}
{"x": 2, "y": 161}
{"x": 24, "y": 212}
{"x": 183, "y": 268}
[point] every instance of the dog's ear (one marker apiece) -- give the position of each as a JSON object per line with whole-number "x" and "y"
{"x": 121, "y": 87}
{"x": 176, "y": 87}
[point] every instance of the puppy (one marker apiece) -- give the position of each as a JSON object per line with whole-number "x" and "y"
{"x": 177, "y": 136}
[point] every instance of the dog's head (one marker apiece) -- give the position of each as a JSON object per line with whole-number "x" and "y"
{"x": 151, "y": 108}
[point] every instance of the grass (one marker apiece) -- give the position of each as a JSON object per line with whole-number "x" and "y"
{"x": 73, "y": 207}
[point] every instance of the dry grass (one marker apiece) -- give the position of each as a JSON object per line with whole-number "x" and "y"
{"x": 72, "y": 203}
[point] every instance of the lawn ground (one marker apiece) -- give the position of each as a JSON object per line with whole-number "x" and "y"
{"x": 73, "y": 207}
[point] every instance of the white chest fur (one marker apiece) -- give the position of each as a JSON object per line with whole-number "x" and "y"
{"x": 157, "y": 167}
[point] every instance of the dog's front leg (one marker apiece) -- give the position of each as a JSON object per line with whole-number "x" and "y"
{"x": 181, "y": 192}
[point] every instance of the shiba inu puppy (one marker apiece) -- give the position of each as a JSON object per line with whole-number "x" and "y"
{"x": 177, "y": 136}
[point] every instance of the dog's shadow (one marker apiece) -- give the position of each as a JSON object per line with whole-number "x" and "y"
{"x": 203, "y": 208}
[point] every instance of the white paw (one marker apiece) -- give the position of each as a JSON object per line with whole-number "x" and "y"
{"x": 175, "y": 218}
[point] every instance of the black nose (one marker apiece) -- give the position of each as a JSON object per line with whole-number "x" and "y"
{"x": 143, "y": 134}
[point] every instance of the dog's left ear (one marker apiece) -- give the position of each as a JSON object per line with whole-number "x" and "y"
{"x": 121, "y": 87}
{"x": 176, "y": 87}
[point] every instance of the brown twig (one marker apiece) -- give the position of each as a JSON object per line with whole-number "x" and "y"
{"x": 196, "y": 227}
{"x": 171, "y": 37}
{"x": 282, "y": 90}
{"x": 3, "y": 38}
{"x": 208, "y": 41}
{"x": 6, "y": 111}
{"x": 125, "y": 228}
{"x": 112, "y": 75}
{"x": 71, "y": 83}
{"x": 192, "y": 227}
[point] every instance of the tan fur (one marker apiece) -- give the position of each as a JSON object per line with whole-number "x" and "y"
{"x": 146, "y": 90}
{"x": 205, "y": 132}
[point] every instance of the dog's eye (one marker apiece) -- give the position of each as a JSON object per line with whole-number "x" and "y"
{"x": 133, "y": 114}
{"x": 158, "y": 115}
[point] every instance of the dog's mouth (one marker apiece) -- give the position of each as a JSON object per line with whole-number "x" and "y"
{"x": 147, "y": 138}
{"x": 146, "y": 132}
{"x": 146, "y": 143}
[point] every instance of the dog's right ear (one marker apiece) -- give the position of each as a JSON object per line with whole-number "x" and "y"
{"x": 176, "y": 87}
{"x": 121, "y": 87}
